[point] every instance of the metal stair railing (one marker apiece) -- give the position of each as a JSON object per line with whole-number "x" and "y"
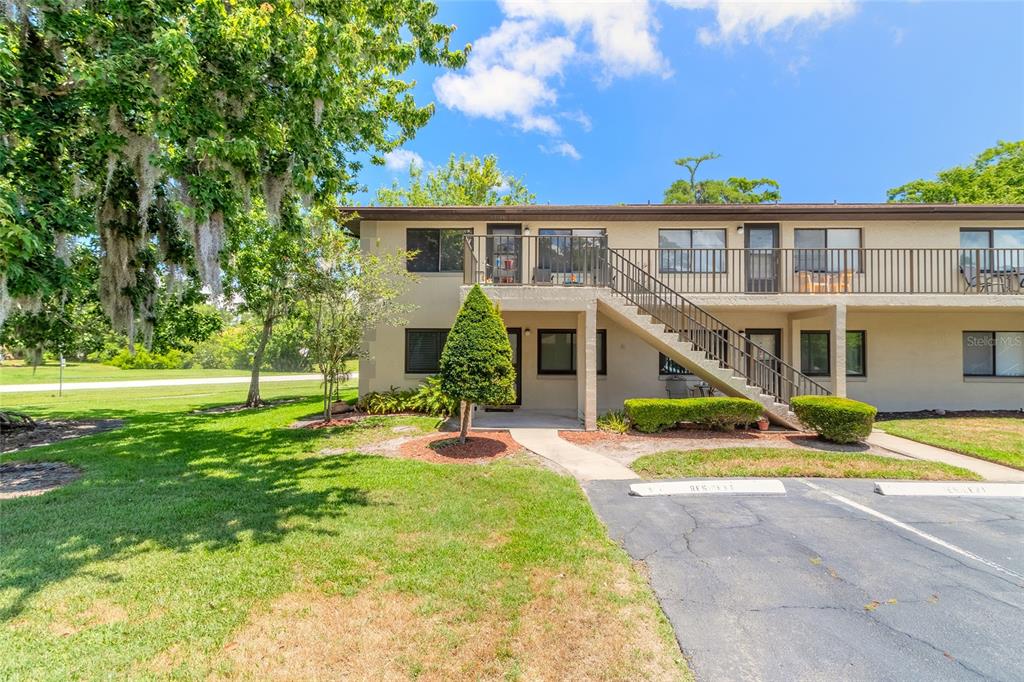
{"x": 718, "y": 341}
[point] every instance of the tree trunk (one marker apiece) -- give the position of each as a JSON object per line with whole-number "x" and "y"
{"x": 466, "y": 420}
{"x": 257, "y": 359}
{"x": 327, "y": 398}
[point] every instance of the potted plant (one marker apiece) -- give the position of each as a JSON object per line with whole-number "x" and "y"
{"x": 762, "y": 424}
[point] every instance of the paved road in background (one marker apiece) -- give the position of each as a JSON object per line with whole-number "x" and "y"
{"x": 146, "y": 383}
{"x": 808, "y": 586}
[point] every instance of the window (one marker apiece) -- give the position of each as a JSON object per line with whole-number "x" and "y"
{"x": 667, "y": 367}
{"x": 1008, "y": 242}
{"x": 827, "y": 250}
{"x": 423, "y": 350}
{"x": 999, "y": 354}
{"x": 815, "y": 360}
{"x": 692, "y": 250}
{"x": 856, "y": 354}
{"x": 437, "y": 250}
{"x": 556, "y": 351}
{"x": 559, "y": 253}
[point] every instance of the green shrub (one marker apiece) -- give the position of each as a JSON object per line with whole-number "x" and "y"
{"x": 656, "y": 414}
{"x": 614, "y": 421}
{"x": 391, "y": 401}
{"x": 143, "y": 359}
{"x": 839, "y": 420}
{"x": 430, "y": 399}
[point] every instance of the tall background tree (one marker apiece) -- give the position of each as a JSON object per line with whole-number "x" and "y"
{"x": 153, "y": 124}
{"x": 736, "y": 190}
{"x": 995, "y": 177}
{"x": 461, "y": 182}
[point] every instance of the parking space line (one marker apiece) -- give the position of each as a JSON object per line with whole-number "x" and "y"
{"x": 910, "y": 529}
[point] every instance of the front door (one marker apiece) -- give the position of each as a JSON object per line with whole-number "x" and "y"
{"x": 762, "y": 261}
{"x": 515, "y": 340}
{"x": 765, "y": 348}
{"x": 504, "y": 253}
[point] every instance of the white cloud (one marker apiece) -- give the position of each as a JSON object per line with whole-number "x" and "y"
{"x": 562, "y": 149}
{"x": 622, "y": 32}
{"x": 514, "y": 72}
{"x": 579, "y": 117}
{"x": 401, "y": 159}
{"x": 741, "y": 21}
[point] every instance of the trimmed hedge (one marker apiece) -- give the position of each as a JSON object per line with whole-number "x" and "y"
{"x": 656, "y": 414}
{"x": 839, "y": 420}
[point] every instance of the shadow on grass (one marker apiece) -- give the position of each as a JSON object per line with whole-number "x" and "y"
{"x": 169, "y": 481}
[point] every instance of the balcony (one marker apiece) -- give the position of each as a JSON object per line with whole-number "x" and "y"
{"x": 577, "y": 261}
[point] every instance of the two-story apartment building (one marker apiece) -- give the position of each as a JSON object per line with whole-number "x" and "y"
{"x": 907, "y": 307}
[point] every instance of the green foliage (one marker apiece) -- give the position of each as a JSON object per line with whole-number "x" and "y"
{"x": 657, "y": 414}
{"x": 430, "y": 399}
{"x": 155, "y": 124}
{"x": 614, "y": 421}
{"x": 462, "y": 182}
{"x": 839, "y": 420}
{"x": 182, "y": 322}
{"x": 233, "y": 348}
{"x": 995, "y": 177}
{"x": 476, "y": 363}
{"x": 228, "y": 349}
{"x": 392, "y": 401}
{"x": 143, "y": 359}
{"x": 737, "y": 190}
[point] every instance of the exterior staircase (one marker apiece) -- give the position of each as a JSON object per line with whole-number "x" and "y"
{"x": 702, "y": 343}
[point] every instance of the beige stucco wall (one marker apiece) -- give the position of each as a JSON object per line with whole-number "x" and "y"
{"x": 914, "y": 356}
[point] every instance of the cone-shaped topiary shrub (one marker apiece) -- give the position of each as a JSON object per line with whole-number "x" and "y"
{"x": 839, "y": 420}
{"x": 476, "y": 363}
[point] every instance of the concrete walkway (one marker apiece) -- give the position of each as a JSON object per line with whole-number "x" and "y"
{"x": 990, "y": 471}
{"x": 583, "y": 464}
{"x": 147, "y": 383}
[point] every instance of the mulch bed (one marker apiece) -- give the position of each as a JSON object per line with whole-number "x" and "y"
{"x": 55, "y": 431}
{"x": 682, "y": 433}
{"x": 24, "y": 479}
{"x": 480, "y": 446}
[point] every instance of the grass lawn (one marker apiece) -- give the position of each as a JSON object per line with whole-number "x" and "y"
{"x": 790, "y": 462}
{"x": 15, "y": 372}
{"x": 998, "y": 439}
{"x": 226, "y": 546}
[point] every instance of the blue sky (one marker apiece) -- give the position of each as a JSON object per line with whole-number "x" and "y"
{"x": 592, "y": 102}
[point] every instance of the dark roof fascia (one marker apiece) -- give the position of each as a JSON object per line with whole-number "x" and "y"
{"x": 750, "y": 212}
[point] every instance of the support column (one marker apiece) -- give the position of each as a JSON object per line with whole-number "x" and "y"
{"x": 838, "y": 350}
{"x": 586, "y": 367}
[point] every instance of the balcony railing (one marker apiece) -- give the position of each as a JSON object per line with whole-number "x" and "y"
{"x": 583, "y": 261}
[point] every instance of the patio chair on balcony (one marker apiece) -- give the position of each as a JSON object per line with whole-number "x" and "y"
{"x": 542, "y": 275}
{"x": 981, "y": 281}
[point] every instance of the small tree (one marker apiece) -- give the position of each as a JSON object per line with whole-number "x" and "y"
{"x": 348, "y": 293}
{"x": 264, "y": 271}
{"x": 476, "y": 363}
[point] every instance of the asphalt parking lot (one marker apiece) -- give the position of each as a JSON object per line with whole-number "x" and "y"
{"x": 832, "y": 582}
